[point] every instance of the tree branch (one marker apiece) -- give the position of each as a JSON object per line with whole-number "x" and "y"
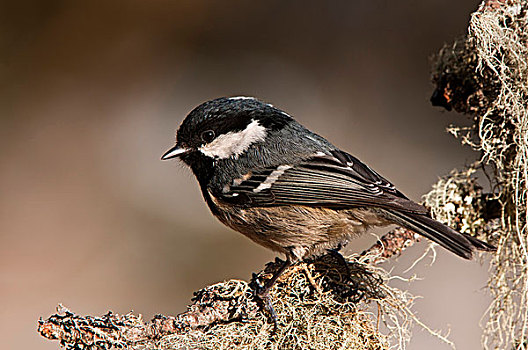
{"x": 232, "y": 302}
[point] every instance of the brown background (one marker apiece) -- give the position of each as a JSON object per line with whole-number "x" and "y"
{"x": 90, "y": 95}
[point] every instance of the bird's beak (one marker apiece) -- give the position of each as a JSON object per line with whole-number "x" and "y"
{"x": 174, "y": 152}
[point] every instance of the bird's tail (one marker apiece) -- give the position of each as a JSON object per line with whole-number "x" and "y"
{"x": 462, "y": 244}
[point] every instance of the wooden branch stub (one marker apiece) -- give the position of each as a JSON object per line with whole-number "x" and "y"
{"x": 392, "y": 244}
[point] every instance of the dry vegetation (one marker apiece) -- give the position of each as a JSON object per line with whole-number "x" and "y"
{"x": 485, "y": 76}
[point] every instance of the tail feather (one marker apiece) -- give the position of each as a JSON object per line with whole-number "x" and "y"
{"x": 459, "y": 243}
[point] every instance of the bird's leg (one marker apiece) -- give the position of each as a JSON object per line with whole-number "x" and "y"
{"x": 269, "y": 283}
{"x": 262, "y": 293}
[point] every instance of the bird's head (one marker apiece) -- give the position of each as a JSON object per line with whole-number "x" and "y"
{"x": 225, "y": 128}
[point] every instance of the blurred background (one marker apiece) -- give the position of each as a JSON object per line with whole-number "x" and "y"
{"x": 92, "y": 91}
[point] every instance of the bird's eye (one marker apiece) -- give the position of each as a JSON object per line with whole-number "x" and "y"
{"x": 208, "y": 135}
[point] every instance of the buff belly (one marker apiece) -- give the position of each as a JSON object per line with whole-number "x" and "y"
{"x": 299, "y": 230}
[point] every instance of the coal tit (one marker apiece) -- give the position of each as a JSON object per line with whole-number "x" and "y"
{"x": 265, "y": 175}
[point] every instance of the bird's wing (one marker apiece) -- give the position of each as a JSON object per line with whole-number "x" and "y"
{"x": 336, "y": 181}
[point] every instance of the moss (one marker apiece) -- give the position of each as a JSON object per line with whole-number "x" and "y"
{"x": 485, "y": 75}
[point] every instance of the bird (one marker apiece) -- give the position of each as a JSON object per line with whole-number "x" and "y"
{"x": 289, "y": 189}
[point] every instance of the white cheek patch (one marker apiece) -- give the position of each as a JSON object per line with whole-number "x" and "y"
{"x": 270, "y": 180}
{"x": 234, "y": 144}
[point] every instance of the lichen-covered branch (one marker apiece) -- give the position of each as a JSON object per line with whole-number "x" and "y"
{"x": 220, "y": 303}
{"x": 323, "y": 303}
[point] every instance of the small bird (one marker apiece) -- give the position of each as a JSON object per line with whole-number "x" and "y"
{"x": 290, "y": 190}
